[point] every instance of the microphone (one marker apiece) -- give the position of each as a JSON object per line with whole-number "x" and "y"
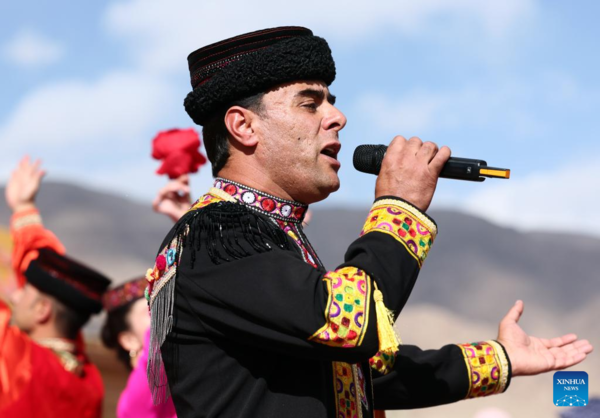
{"x": 368, "y": 158}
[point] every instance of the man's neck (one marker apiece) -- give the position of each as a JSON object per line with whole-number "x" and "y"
{"x": 44, "y": 333}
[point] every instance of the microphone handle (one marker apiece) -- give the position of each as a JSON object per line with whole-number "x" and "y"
{"x": 463, "y": 169}
{"x": 455, "y": 168}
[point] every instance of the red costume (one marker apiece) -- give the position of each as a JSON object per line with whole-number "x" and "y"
{"x": 49, "y": 378}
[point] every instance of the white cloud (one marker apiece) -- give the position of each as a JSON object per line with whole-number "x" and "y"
{"x": 29, "y": 48}
{"x": 82, "y": 129}
{"x": 161, "y": 32}
{"x": 566, "y": 199}
{"x": 117, "y": 106}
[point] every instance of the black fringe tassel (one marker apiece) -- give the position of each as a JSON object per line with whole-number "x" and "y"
{"x": 220, "y": 226}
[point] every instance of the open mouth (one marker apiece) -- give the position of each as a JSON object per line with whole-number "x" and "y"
{"x": 331, "y": 150}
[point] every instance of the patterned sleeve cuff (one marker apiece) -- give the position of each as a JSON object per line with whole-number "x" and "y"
{"x": 347, "y": 311}
{"x": 508, "y": 368}
{"x": 488, "y": 367}
{"x": 407, "y": 224}
{"x": 25, "y": 218}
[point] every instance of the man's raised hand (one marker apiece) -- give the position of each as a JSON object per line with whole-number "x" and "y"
{"x": 24, "y": 184}
{"x": 410, "y": 170}
{"x": 531, "y": 355}
{"x": 174, "y": 199}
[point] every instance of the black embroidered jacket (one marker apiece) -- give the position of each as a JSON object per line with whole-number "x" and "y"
{"x": 250, "y": 324}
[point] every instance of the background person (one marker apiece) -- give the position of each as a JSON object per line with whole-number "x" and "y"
{"x": 127, "y": 331}
{"x": 45, "y": 372}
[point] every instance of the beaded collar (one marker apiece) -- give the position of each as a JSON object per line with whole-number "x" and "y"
{"x": 275, "y": 207}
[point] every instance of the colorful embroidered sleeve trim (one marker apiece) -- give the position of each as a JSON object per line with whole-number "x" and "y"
{"x": 505, "y": 369}
{"x": 25, "y": 218}
{"x": 350, "y": 390}
{"x": 405, "y": 223}
{"x": 382, "y": 362}
{"x": 347, "y": 310}
{"x": 487, "y": 366}
{"x": 425, "y": 220}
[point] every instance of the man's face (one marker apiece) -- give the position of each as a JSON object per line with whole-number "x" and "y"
{"x": 26, "y": 301}
{"x": 298, "y": 145}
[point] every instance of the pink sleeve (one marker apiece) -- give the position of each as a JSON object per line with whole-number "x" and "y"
{"x": 136, "y": 399}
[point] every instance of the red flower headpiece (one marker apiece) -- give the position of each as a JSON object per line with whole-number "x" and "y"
{"x": 178, "y": 151}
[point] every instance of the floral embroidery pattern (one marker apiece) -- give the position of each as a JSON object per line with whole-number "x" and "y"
{"x": 487, "y": 366}
{"x": 347, "y": 308}
{"x": 281, "y": 209}
{"x": 291, "y": 229}
{"x": 164, "y": 270}
{"x": 349, "y": 390}
{"x": 382, "y": 362}
{"x": 412, "y": 229}
{"x": 205, "y": 200}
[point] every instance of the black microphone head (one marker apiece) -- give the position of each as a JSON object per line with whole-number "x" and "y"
{"x": 368, "y": 158}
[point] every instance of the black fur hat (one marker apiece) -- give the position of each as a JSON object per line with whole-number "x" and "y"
{"x": 69, "y": 281}
{"x": 248, "y": 64}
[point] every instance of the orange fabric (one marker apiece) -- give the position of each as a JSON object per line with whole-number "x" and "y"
{"x": 27, "y": 240}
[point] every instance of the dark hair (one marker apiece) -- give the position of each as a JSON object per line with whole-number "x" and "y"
{"x": 116, "y": 323}
{"x": 68, "y": 321}
{"x": 216, "y": 135}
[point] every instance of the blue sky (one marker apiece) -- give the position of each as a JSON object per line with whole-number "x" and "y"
{"x": 86, "y": 85}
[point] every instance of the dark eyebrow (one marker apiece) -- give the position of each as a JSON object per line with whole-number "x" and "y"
{"x": 316, "y": 94}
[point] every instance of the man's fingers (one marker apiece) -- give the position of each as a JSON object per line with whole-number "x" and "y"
{"x": 397, "y": 146}
{"x": 173, "y": 189}
{"x": 560, "y": 341}
{"x": 439, "y": 159}
{"x": 427, "y": 152}
{"x": 569, "y": 361}
{"x": 35, "y": 168}
{"x": 156, "y": 203}
{"x": 184, "y": 179}
{"x": 24, "y": 161}
{"x": 40, "y": 174}
{"x": 584, "y": 346}
{"x": 515, "y": 312}
{"x": 570, "y": 354}
{"x": 413, "y": 145}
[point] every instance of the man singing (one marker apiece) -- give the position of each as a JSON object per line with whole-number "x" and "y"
{"x": 245, "y": 318}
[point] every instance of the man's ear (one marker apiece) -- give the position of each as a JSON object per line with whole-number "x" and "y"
{"x": 240, "y": 124}
{"x": 43, "y": 310}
